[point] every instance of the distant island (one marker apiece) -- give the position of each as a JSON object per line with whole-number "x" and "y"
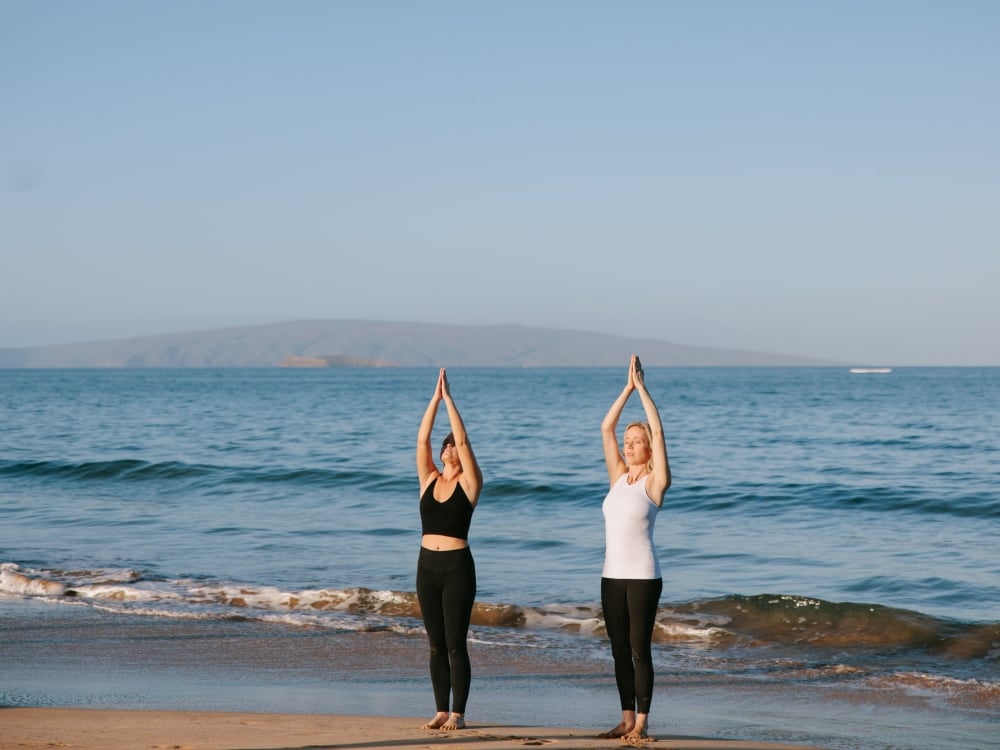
{"x": 359, "y": 343}
{"x": 335, "y": 360}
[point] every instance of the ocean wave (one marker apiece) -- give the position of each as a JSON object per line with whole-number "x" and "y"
{"x": 782, "y": 619}
{"x": 757, "y": 621}
{"x": 766, "y": 499}
{"x": 969, "y": 694}
{"x": 570, "y": 493}
{"x": 127, "y": 469}
{"x": 134, "y": 470}
{"x": 960, "y": 499}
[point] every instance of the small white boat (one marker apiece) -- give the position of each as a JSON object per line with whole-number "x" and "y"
{"x": 871, "y": 369}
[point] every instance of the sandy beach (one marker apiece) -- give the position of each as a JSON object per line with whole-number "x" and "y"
{"x": 103, "y": 729}
{"x": 74, "y": 677}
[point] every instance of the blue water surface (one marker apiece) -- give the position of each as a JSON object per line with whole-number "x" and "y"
{"x": 875, "y": 488}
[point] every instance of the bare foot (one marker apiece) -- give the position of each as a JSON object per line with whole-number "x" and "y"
{"x": 637, "y": 737}
{"x": 438, "y": 721}
{"x": 455, "y": 721}
{"x": 619, "y": 731}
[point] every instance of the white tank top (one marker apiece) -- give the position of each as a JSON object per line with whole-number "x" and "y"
{"x": 629, "y": 516}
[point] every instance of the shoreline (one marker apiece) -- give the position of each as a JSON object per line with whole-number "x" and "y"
{"x": 128, "y": 729}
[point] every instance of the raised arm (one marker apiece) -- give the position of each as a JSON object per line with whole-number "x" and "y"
{"x": 426, "y": 469}
{"x": 612, "y": 456}
{"x": 472, "y": 476}
{"x": 659, "y": 481}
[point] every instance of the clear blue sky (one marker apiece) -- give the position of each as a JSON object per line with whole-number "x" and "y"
{"x": 812, "y": 178}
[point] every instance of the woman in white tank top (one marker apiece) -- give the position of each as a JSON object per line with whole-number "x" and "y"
{"x": 631, "y": 583}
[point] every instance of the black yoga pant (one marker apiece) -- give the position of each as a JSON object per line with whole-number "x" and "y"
{"x": 446, "y": 590}
{"x": 629, "y": 615}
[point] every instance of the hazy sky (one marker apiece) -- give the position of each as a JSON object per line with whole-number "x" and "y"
{"x": 813, "y": 178}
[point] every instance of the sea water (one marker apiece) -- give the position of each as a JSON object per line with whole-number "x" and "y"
{"x": 823, "y": 527}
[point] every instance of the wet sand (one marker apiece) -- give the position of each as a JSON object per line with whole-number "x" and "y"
{"x": 103, "y": 729}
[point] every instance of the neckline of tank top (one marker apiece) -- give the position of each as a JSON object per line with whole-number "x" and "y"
{"x": 451, "y": 495}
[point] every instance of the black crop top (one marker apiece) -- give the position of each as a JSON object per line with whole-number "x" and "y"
{"x": 449, "y": 518}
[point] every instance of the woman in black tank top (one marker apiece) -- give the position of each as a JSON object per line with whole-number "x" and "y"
{"x": 446, "y": 572}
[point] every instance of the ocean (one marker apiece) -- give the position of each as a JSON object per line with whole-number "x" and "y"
{"x": 828, "y": 534}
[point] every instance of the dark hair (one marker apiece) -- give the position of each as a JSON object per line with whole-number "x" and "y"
{"x": 449, "y": 439}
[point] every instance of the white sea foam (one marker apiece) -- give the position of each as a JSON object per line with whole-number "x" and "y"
{"x": 564, "y": 617}
{"x": 965, "y": 692}
{"x": 13, "y": 581}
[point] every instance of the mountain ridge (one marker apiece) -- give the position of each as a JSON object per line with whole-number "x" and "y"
{"x": 389, "y": 343}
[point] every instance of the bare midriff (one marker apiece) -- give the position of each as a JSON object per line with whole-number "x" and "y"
{"x": 441, "y": 543}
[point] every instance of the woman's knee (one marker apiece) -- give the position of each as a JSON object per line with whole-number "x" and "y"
{"x": 642, "y": 656}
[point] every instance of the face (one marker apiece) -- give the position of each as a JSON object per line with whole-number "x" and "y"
{"x": 448, "y": 452}
{"x": 636, "y": 446}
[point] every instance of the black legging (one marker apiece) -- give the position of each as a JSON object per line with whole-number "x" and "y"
{"x": 446, "y": 590}
{"x": 629, "y": 615}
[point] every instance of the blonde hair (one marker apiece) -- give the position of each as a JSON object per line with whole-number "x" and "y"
{"x": 648, "y": 431}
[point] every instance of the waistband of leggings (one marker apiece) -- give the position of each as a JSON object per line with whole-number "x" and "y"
{"x": 437, "y": 558}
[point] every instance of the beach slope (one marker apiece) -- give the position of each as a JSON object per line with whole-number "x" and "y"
{"x": 104, "y": 729}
